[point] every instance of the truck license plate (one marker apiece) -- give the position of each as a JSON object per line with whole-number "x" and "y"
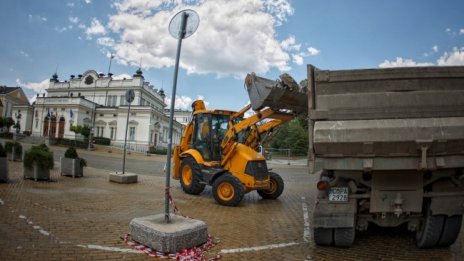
{"x": 338, "y": 194}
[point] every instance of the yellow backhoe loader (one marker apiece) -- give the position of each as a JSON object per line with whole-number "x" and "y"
{"x": 218, "y": 147}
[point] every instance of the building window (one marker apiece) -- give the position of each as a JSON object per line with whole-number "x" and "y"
{"x": 132, "y": 133}
{"x": 123, "y": 102}
{"x": 100, "y": 131}
{"x": 113, "y": 133}
{"x": 36, "y": 123}
{"x": 112, "y": 100}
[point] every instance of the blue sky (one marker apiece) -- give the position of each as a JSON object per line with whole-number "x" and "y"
{"x": 234, "y": 37}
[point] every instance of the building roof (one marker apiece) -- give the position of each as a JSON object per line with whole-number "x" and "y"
{"x": 6, "y": 90}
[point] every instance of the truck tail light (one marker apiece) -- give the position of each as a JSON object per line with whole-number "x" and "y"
{"x": 322, "y": 185}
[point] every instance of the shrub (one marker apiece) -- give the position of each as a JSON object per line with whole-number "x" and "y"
{"x": 158, "y": 150}
{"x": 9, "y": 145}
{"x": 71, "y": 153}
{"x": 41, "y": 155}
{"x": 2, "y": 151}
{"x": 6, "y": 135}
{"x": 102, "y": 141}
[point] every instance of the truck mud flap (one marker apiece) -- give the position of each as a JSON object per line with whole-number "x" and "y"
{"x": 275, "y": 95}
{"x": 334, "y": 215}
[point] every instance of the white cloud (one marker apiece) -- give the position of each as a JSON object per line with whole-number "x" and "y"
{"x": 60, "y": 30}
{"x": 74, "y": 19}
{"x": 280, "y": 9}
{"x": 233, "y": 38}
{"x": 461, "y": 31}
{"x": 23, "y": 53}
{"x": 452, "y": 58}
{"x": 95, "y": 28}
{"x": 71, "y": 4}
{"x": 185, "y": 102}
{"x": 35, "y": 18}
{"x": 313, "y": 51}
{"x": 38, "y": 87}
{"x": 400, "y": 62}
{"x": 456, "y": 57}
{"x": 87, "y": 1}
{"x": 122, "y": 76}
{"x": 106, "y": 41}
{"x": 297, "y": 59}
{"x": 290, "y": 44}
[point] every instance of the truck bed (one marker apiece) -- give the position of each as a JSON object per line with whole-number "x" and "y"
{"x": 406, "y": 117}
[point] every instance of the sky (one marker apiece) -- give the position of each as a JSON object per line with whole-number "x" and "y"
{"x": 268, "y": 37}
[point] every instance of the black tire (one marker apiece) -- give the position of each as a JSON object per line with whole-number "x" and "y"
{"x": 323, "y": 236}
{"x": 344, "y": 236}
{"x": 228, "y": 190}
{"x": 277, "y": 187}
{"x": 429, "y": 233}
{"x": 191, "y": 185}
{"x": 451, "y": 230}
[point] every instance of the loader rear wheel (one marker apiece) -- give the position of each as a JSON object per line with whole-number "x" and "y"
{"x": 431, "y": 229}
{"x": 276, "y": 189}
{"x": 323, "y": 236}
{"x": 190, "y": 178}
{"x": 344, "y": 236}
{"x": 228, "y": 190}
{"x": 451, "y": 230}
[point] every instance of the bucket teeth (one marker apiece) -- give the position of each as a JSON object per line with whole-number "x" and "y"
{"x": 281, "y": 94}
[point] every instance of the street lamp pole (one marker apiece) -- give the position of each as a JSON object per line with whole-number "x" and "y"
{"x": 181, "y": 36}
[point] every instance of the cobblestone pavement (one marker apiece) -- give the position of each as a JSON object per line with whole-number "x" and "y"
{"x": 85, "y": 218}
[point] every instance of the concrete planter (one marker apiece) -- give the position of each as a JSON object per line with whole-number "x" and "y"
{"x": 126, "y": 178}
{"x": 71, "y": 167}
{"x": 36, "y": 172}
{"x": 13, "y": 156}
{"x": 3, "y": 169}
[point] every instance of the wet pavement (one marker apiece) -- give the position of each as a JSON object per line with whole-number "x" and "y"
{"x": 85, "y": 218}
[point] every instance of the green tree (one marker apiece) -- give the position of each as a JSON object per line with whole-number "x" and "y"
{"x": 8, "y": 122}
{"x": 292, "y": 135}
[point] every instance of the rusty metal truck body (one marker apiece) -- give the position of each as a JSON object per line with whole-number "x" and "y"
{"x": 388, "y": 145}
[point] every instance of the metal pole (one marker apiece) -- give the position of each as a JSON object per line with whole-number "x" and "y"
{"x": 171, "y": 115}
{"x": 288, "y": 157}
{"x": 125, "y": 141}
{"x": 109, "y": 67}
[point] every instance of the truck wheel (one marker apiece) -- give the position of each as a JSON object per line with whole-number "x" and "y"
{"x": 323, "y": 236}
{"x": 344, "y": 236}
{"x": 277, "y": 187}
{"x": 228, "y": 190}
{"x": 190, "y": 178}
{"x": 430, "y": 231}
{"x": 451, "y": 230}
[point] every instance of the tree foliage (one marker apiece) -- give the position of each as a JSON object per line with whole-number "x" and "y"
{"x": 292, "y": 135}
{"x": 78, "y": 129}
{"x": 6, "y": 122}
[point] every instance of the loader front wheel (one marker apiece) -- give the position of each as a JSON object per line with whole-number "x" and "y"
{"x": 228, "y": 190}
{"x": 276, "y": 189}
{"x": 190, "y": 178}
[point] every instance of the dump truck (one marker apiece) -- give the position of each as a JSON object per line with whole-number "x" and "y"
{"x": 219, "y": 147}
{"x": 388, "y": 146}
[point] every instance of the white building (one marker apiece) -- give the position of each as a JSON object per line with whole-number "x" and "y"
{"x": 98, "y": 100}
{"x": 181, "y": 116}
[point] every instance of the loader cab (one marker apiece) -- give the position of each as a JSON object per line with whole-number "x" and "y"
{"x": 209, "y": 130}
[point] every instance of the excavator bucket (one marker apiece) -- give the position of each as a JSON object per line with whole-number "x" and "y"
{"x": 283, "y": 94}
